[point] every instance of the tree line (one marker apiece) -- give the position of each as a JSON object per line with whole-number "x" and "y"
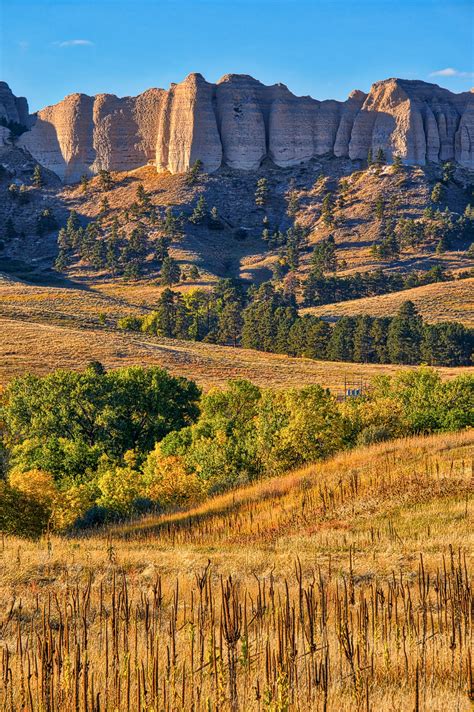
{"x": 82, "y": 448}
{"x": 266, "y": 320}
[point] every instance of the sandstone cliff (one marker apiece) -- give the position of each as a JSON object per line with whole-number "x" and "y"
{"x": 239, "y": 122}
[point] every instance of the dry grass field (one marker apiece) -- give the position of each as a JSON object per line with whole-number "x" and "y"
{"x": 43, "y": 328}
{"x": 443, "y": 301}
{"x": 40, "y": 348}
{"x": 344, "y": 586}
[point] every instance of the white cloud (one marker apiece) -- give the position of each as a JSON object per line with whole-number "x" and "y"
{"x": 74, "y": 43}
{"x": 451, "y": 72}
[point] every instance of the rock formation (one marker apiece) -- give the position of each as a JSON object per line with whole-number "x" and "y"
{"x": 13, "y": 108}
{"x": 239, "y": 122}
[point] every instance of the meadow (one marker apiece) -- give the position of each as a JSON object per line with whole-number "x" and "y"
{"x": 346, "y": 585}
{"x": 442, "y": 301}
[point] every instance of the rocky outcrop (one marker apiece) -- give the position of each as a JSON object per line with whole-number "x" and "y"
{"x": 187, "y": 127}
{"x": 13, "y": 108}
{"x": 239, "y": 122}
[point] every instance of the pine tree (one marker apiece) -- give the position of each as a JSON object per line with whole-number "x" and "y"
{"x": 369, "y": 157}
{"x": 378, "y": 333}
{"x": 161, "y": 249}
{"x": 341, "y": 343}
{"x": 230, "y": 323}
{"x": 194, "y": 172}
{"x": 404, "y": 335}
{"x": 170, "y": 272}
{"x": 37, "y": 177}
{"x": 379, "y": 208}
{"x": 105, "y": 179}
{"x": 318, "y": 333}
{"x": 397, "y": 163}
{"x": 293, "y": 204}
{"x": 199, "y": 212}
{"x": 60, "y": 263}
{"x": 437, "y": 193}
{"x": 380, "y": 157}
{"x": 327, "y": 209}
{"x": 261, "y": 192}
{"x": 194, "y": 273}
{"x": 84, "y": 183}
{"x": 363, "y": 343}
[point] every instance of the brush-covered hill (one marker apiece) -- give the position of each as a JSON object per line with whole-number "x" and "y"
{"x": 341, "y": 586}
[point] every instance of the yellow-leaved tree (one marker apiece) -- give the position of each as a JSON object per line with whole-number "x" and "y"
{"x": 168, "y": 483}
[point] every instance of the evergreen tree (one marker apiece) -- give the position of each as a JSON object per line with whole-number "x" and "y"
{"x": 324, "y": 255}
{"x": 60, "y": 263}
{"x": 404, "y": 335}
{"x": 363, "y": 343}
{"x": 318, "y": 333}
{"x": 397, "y": 163}
{"x": 341, "y": 343}
{"x": 448, "y": 172}
{"x": 142, "y": 195}
{"x": 230, "y": 323}
{"x": 72, "y": 226}
{"x": 437, "y": 193}
{"x": 378, "y": 334}
{"x": 192, "y": 176}
{"x": 170, "y": 272}
{"x": 261, "y": 192}
{"x": 369, "y": 157}
{"x": 37, "y": 177}
{"x": 327, "y": 210}
{"x": 380, "y": 157}
{"x": 45, "y": 222}
{"x": 199, "y": 212}
{"x": 293, "y": 204}
{"x": 161, "y": 249}
{"x": 105, "y": 179}
{"x": 194, "y": 273}
{"x": 84, "y": 183}
{"x": 379, "y": 208}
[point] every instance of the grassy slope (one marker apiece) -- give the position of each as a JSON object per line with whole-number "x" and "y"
{"x": 436, "y": 302}
{"x": 359, "y": 523}
{"x": 51, "y": 327}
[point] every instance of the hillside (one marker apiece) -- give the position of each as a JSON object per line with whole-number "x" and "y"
{"x": 436, "y": 302}
{"x": 341, "y": 586}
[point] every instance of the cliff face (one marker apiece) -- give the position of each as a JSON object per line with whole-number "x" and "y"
{"x": 13, "y": 108}
{"x": 239, "y": 122}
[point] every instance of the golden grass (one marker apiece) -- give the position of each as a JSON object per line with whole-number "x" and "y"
{"x": 445, "y": 301}
{"x": 350, "y": 590}
{"x": 41, "y": 347}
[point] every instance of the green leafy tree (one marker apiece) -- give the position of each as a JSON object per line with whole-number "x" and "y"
{"x": 93, "y": 413}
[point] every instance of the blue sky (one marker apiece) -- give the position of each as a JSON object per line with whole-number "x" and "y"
{"x": 325, "y": 48}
